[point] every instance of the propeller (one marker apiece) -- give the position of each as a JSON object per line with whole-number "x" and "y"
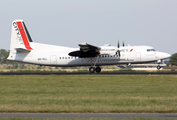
{"x": 118, "y": 51}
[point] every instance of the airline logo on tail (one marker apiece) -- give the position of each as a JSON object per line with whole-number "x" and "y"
{"x": 22, "y": 34}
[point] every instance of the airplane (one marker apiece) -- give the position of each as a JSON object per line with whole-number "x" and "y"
{"x": 23, "y": 49}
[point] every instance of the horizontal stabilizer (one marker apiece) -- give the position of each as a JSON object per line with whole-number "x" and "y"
{"x": 22, "y": 50}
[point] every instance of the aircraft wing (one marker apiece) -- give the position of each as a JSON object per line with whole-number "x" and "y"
{"x": 87, "y": 47}
{"x": 86, "y": 50}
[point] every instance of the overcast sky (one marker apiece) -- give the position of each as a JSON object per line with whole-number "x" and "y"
{"x": 98, "y": 22}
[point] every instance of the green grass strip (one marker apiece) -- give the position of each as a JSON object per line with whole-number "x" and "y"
{"x": 89, "y": 93}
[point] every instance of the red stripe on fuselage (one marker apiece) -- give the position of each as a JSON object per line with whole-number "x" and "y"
{"x": 24, "y": 36}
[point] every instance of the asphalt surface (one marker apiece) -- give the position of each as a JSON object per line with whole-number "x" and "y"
{"x": 83, "y": 73}
{"x": 89, "y": 115}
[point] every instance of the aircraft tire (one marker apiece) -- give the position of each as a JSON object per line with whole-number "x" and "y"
{"x": 92, "y": 69}
{"x": 158, "y": 67}
{"x": 98, "y": 69}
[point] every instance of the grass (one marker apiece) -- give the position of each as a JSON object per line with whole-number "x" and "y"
{"x": 78, "y": 70}
{"x": 89, "y": 93}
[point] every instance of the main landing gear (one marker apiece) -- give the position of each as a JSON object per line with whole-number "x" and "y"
{"x": 93, "y": 69}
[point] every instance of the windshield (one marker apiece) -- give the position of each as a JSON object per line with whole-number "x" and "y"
{"x": 149, "y": 50}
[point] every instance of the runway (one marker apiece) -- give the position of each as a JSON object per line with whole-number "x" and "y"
{"x": 89, "y": 115}
{"x": 85, "y": 73}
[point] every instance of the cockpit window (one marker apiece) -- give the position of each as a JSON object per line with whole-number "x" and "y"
{"x": 149, "y": 50}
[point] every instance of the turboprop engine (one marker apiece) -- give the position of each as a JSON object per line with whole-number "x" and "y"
{"x": 109, "y": 51}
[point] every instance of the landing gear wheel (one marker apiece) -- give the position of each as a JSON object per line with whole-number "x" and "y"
{"x": 98, "y": 69}
{"x": 92, "y": 69}
{"x": 158, "y": 67}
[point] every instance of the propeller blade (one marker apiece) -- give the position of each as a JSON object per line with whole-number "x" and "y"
{"x": 118, "y": 53}
{"x": 118, "y": 44}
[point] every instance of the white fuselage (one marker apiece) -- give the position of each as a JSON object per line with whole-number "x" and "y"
{"x": 52, "y": 55}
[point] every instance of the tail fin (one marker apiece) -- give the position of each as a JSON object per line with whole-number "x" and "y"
{"x": 20, "y": 38}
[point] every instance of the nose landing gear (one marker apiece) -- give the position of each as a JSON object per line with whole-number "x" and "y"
{"x": 159, "y": 67}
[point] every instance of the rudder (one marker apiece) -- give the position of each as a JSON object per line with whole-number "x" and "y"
{"x": 20, "y": 37}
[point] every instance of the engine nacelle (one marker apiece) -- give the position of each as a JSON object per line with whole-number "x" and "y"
{"x": 111, "y": 53}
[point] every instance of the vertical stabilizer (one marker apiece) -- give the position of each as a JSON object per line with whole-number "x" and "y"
{"x": 20, "y": 38}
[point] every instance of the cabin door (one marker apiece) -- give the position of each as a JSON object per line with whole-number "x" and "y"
{"x": 53, "y": 59}
{"x": 138, "y": 56}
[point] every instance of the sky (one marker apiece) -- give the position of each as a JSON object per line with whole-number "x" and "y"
{"x": 97, "y": 22}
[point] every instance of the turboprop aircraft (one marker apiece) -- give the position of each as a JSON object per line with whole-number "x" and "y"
{"x": 23, "y": 49}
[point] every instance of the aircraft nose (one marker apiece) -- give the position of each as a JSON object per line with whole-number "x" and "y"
{"x": 162, "y": 55}
{"x": 167, "y": 55}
